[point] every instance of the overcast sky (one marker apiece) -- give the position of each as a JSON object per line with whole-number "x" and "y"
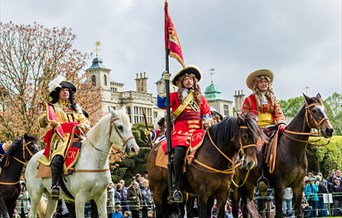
{"x": 299, "y": 40}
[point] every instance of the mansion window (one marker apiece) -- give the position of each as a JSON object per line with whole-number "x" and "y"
{"x": 139, "y": 114}
{"x": 225, "y": 110}
{"x": 105, "y": 80}
{"x": 93, "y": 80}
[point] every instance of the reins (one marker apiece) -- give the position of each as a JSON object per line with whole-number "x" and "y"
{"x": 234, "y": 165}
{"x": 317, "y": 125}
{"x": 287, "y": 133}
{"x": 124, "y": 144}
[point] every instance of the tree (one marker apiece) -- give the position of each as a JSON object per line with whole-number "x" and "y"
{"x": 30, "y": 57}
{"x": 334, "y": 111}
{"x": 292, "y": 106}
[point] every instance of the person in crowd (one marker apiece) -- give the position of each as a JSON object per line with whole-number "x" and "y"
{"x": 147, "y": 204}
{"x": 190, "y": 112}
{"x": 117, "y": 213}
{"x": 336, "y": 194}
{"x": 306, "y": 208}
{"x": 263, "y": 102}
{"x": 287, "y": 201}
{"x": 117, "y": 194}
{"x": 310, "y": 191}
{"x": 124, "y": 200}
{"x": 135, "y": 199}
{"x": 62, "y": 116}
{"x": 322, "y": 189}
{"x": 110, "y": 199}
{"x": 23, "y": 203}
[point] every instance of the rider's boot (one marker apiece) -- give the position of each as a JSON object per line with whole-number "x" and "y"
{"x": 177, "y": 194}
{"x": 178, "y": 160}
{"x": 56, "y": 170}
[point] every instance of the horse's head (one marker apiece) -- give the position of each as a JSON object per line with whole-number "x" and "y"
{"x": 23, "y": 148}
{"x": 30, "y": 146}
{"x": 121, "y": 133}
{"x": 316, "y": 117}
{"x": 249, "y": 133}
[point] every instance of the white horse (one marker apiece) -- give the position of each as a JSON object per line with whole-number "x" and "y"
{"x": 92, "y": 175}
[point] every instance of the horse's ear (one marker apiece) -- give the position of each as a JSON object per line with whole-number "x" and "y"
{"x": 318, "y": 96}
{"x": 25, "y": 136}
{"x": 307, "y": 98}
{"x": 112, "y": 112}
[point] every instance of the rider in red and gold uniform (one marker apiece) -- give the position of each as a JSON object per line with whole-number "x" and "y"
{"x": 62, "y": 116}
{"x": 190, "y": 111}
{"x": 263, "y": 103}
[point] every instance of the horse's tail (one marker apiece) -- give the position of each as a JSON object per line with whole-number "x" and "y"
{"x": 252, "y": 208}
{"x": 42, "y": 208}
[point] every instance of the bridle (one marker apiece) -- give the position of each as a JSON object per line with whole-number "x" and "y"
{"x": 308, "y": 116}
{"x": 23, "y": 162}
{"x": 117, "y": 147}
{"x": 124, "y": 141}
{"x": 234, "y": 165}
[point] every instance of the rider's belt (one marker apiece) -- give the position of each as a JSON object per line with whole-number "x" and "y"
{"x": 190, "y": 116}
{"x": 265, "y": 120}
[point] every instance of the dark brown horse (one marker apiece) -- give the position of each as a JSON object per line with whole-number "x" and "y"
{"x": 211, "y": 172}
{"x": 290, "y": 164}
{"x": 19, "y": 153}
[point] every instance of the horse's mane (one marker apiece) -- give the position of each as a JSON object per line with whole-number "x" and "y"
{"x": 227, "y": 129}
{"x": 98, "y": 128}
{"x": 16, "y": 142}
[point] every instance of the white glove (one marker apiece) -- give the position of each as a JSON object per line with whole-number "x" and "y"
{"x": 166, "y": 75}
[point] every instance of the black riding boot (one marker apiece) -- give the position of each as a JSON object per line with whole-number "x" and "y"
{"x": 178, "y": 161}
{"x": 56, "y": 171}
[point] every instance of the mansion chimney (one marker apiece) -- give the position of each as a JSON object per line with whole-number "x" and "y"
{"x": 239, "y": 98}
{"x": 141, "y": 82}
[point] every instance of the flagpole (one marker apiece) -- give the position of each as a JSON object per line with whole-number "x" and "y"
{"x": 168, "y": 129}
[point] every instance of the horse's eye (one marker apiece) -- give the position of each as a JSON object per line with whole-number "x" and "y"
{"x": 120, "y": 127}
{"x": 244, "y": 136}
{"x": 314, "y": 110}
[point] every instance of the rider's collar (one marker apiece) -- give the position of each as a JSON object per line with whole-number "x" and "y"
{"x": 64, "y": 102}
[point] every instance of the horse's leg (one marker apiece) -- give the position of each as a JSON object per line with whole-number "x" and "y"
{"x": 297, "y": 199}
{"x": 278, "y": 194}
{"x": 158, "y": 200}
{"x": 11, "y": 207}
{"x": 235, "y": 198}
{"x": 3, "y": 209}
{"x": 51, "y": 206}
{"x": 101, "y": 202}
{"x": 204, "y": 211}
{"x": 220, "y": 204}
{"x": 35, "y": 197}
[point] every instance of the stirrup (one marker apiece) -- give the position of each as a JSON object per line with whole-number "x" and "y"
{"x": 55, "y": 192}
{"x": 177, "y": 196}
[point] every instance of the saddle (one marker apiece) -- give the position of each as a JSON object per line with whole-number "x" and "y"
{"x": 70, "y": 159}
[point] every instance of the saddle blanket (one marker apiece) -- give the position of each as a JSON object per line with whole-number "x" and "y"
{"x": 71, "y": 158}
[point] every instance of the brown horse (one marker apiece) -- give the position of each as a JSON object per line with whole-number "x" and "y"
{"x": 290, "y": 164}
{"x": 19, "y": 153}
{"x": 211, "y": 172}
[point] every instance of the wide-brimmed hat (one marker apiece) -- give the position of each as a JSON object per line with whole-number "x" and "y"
{"x": 61, "y": 82}
{"x": 187, "y": 70}
{"x": 262, "y": 72}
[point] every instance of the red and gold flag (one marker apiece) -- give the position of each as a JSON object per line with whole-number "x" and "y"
{"x": 171, "y": 39}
